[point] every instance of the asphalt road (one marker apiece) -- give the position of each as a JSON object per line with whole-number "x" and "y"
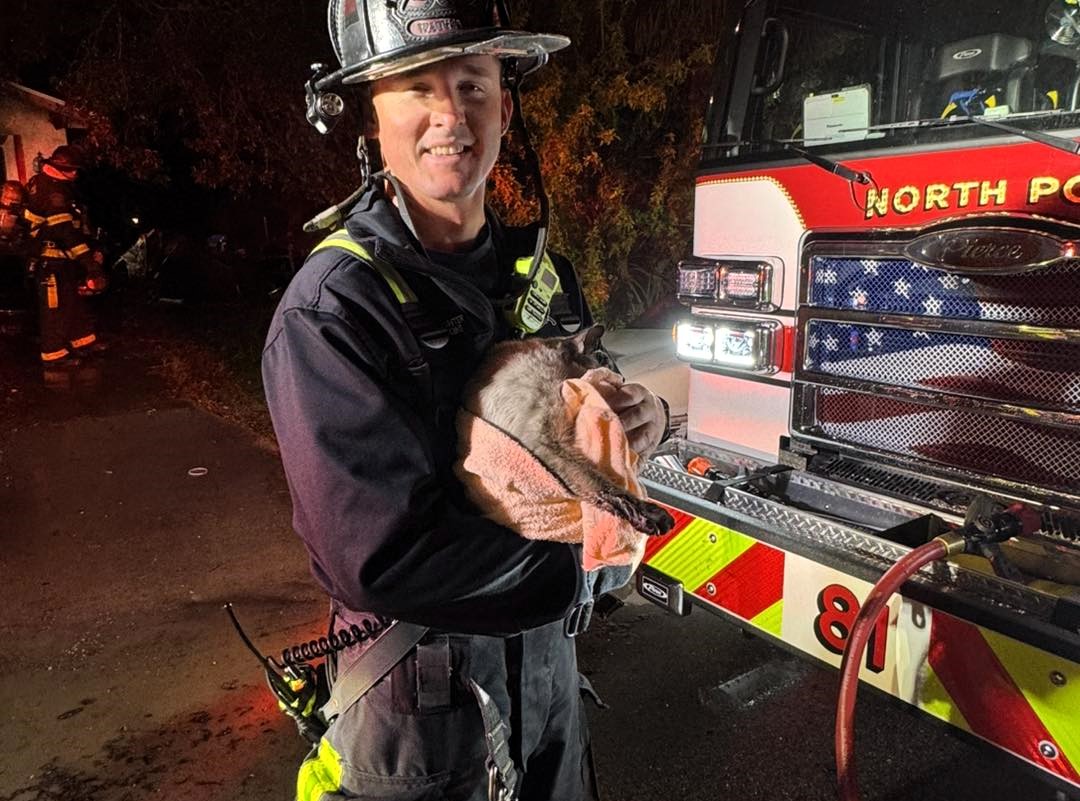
{"x": 122, "y": 678}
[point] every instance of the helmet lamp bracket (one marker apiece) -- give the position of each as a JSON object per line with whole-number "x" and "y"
{"x": 324, "y": 108}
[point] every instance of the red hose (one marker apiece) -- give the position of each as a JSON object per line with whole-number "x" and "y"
{"x": 893, "y": 579}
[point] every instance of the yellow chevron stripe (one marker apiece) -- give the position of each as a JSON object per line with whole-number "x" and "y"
{"x": 933, "y": 699}
{"x": 770, "y": 619}
{"x": 692, "y": 558}
{"x": 1056, "y": 705}
{"x": 320, "y": 774}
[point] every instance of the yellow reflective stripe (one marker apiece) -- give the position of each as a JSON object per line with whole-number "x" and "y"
{"x": 934, "y": 700}
{"x": 342, "y": 240}
{"x": 52, "y": 356}
{"x": 78, "y": 250}
{"x": 82, "y": 342}
{"x": 699, "y": 551}
{"x": 52, "y": 296}
{"x": 56, "y": 219}
{"x": 319, "y": 774}
{"x": 33, "y": 218}
{"x": 1054, "y": 702}
{"x": 770, "y": 619}
{"x": 54, "y": 253}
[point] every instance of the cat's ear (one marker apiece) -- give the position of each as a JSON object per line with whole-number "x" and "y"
{"x": 588, "y": 340}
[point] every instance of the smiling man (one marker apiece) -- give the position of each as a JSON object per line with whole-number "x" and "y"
{"x": 439, "y": 127}
{"x": 474, "y": 692}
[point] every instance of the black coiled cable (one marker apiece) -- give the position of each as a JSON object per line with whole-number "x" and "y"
{"x": 335, "y": 641}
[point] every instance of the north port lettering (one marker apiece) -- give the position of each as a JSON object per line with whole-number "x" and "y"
{"x": 883, "y": 201}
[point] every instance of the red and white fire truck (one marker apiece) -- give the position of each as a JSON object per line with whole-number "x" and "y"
{"x": 883, "y": 333}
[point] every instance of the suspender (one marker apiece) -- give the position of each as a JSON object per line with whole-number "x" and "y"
{"x": 343, "y": 241}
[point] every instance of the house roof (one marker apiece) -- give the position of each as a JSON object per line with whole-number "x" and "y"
{"x": 54, "y": 106}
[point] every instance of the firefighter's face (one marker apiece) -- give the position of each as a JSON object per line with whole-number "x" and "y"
{"x": 439, "y": 128}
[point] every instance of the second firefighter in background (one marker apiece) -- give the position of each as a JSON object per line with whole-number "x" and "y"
{"x": 67, "y": 269}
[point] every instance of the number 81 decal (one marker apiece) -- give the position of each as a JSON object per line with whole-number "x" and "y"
{"x": 837, "y": 609}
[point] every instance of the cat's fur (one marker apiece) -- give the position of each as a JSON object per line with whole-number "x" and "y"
{"x": 518, "y": 389}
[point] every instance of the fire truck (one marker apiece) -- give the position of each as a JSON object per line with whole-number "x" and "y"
{"x": 882, "y": 326}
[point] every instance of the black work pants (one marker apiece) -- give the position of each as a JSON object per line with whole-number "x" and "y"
{"x": 388, "y": 746}
{"x": 64, "y": 318}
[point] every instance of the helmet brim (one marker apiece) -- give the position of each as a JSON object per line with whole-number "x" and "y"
{"x": 531, "y": 50}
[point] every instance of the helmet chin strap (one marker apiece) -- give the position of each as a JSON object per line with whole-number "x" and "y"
{"x": 332, "y": 217}
{"x": 513, "y": 81}
{"x": 403, "y": 209}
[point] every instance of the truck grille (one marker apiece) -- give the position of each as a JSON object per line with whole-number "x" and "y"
{"x": 970, "y": 375}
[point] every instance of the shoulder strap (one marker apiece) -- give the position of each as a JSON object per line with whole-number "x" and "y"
{"x": 369, "y": 668}
{"x": 342, "y": 240}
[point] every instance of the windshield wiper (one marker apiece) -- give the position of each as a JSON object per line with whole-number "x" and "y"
{"x": 1058, "y": 142}
{"x": 835, "y": 167}
{"x": 1050, "y": 140}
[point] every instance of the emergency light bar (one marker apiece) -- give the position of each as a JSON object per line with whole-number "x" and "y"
{"x": 725, "y": 283}
{"x": 752, "y": 346}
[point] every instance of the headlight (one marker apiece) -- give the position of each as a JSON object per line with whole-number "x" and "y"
{"x": 726, "y": 283}
{"x": 694, "y": 342}
{"x": 753, "y": 346}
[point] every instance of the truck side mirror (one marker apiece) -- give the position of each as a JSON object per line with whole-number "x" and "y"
{"x": 777, "y": 38}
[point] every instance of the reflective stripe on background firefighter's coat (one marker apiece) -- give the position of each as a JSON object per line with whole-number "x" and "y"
{"x": 1024, "y": 700}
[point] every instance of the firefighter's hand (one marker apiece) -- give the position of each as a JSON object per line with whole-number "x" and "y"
{"x": 95, "y": 283}
{"x": 642, "y": 416}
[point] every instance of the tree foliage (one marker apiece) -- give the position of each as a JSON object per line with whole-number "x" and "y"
{"x": 617, "y": 120}
{"x": 208, "y": 93}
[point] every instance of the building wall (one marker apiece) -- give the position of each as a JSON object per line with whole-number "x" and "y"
{"x": 29, "y": 132}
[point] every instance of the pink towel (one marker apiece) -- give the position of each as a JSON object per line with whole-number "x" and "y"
{"x": 516, "y": 490}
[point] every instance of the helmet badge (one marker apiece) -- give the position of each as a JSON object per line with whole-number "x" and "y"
{"x": 419, "y": 20}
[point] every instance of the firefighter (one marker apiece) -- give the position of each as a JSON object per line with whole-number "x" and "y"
{"x": 13, "y": 236}
{"x": 364, "y": 366}
{"x": 66, "y": 269}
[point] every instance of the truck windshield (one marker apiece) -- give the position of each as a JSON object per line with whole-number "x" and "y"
{"x": 845, "y": 76}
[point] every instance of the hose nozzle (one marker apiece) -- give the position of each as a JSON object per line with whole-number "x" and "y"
{"x": 1017, "y": 520}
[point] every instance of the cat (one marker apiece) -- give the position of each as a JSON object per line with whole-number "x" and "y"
{"x": 517, "y": 388}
